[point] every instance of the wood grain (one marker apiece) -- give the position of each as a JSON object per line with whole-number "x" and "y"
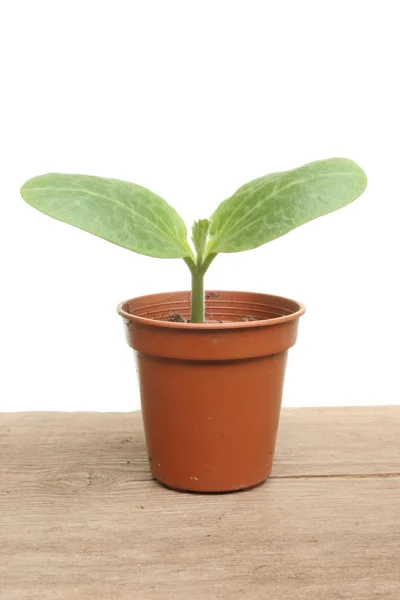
{"x": 80, "y": 516}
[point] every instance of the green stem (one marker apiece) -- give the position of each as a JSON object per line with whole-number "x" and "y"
{"x": 197, "y": 298}
{"x": 208, "y": 262}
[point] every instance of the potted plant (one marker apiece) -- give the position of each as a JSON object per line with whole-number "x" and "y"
{"x": 211, "y": 364}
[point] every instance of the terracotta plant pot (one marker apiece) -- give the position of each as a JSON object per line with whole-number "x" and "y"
{"x": 211, "y": 393}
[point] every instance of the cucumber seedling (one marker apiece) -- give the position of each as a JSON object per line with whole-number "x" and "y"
{"x": 135, "y": 218}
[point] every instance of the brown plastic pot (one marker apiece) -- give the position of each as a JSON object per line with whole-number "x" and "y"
{"x": 211, "y": 393}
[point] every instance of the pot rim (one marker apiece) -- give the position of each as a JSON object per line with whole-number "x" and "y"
{"x": 210, "y": 326}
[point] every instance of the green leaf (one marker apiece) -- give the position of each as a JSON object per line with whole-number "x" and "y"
{"x": 123, "y": 213}
{"x": 199, "y": 237}
{"x": 271, "y": 206}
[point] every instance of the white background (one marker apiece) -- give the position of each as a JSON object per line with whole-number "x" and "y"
{"x": 193, "y": 99}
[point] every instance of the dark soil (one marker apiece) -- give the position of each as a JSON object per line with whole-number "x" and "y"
{"x": 211, "y": 295}
{"x": 176, "y": 317}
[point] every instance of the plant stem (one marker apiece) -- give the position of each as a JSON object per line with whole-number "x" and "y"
{"x": 198, "y": 270}
{"x": 197, "y": 313}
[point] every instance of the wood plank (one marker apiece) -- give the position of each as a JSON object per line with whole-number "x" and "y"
{"x": 289, "y": 539}
{"x": 338, "y": 440}
{"x": 311, "y": 441}
{"x": 80, "y": 516}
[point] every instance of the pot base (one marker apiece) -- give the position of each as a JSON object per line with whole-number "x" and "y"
{"x": 211, "y": 426}
{"x": 241, "y": 488}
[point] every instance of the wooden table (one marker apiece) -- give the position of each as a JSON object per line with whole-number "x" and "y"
{"x": 82, "y": 519}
